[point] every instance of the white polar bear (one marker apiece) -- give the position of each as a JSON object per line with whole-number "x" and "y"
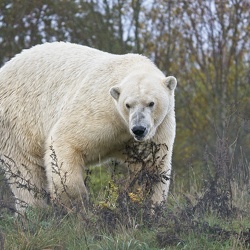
{"x": 84, "y": 104}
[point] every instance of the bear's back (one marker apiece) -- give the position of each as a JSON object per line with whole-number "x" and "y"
{"x": 37, "y": 84}
{"x": 50, "y": 66}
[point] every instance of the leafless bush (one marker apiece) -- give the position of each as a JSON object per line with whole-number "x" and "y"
{"x": 13, "y": 176}
{"x": 145, "y": 166}
{"x": 57, "y": 169}
{"x": 218, "y": 179}
{"x": 131, "y": 194}
{"x": 225, "y": 166}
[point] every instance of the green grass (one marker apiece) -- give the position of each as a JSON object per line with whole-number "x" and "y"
{"x": 174, "y": 228}
{"x": 216, "y": 216}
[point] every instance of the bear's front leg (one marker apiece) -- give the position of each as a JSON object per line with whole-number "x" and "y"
{"x": 161, "y": 188}
{"x": 65, "y": 174}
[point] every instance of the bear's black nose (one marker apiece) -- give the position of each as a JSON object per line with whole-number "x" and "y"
{"x": 138, "y": 130}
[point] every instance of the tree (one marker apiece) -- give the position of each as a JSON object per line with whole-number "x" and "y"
{"x": 27, "y": 23}
{"x": 215, "y": 73}
{"x": 205, "y": 44}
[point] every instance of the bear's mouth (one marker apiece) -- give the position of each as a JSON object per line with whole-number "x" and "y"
{"x": 139, "y": 138}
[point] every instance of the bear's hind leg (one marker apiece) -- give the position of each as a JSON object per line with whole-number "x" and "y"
{"x": 27, "y": 182}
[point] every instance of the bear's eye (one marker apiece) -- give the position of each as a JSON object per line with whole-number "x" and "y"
{"x": 127, "y": 105}
{"x": 151, "y": 104}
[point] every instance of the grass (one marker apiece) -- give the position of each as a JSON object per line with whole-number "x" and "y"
{"x": 172, "y": 227}
{"x": 216, "y": 216}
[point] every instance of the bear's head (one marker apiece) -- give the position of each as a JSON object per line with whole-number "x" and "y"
{"x": 143, "y": 101}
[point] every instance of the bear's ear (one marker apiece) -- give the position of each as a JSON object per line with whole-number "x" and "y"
{"x": 171, "y": 82}
{"x": 115, "y": 92}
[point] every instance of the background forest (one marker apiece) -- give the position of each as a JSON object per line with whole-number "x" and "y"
{"x": 204, "y": 44}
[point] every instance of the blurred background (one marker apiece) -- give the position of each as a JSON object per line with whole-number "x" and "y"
{"x": 204, "y": 44}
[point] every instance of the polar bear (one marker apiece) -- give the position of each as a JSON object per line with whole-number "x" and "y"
{"x": 84, "y": 105}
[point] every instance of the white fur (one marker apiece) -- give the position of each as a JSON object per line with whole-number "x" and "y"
{"x": 59, "y": 94}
